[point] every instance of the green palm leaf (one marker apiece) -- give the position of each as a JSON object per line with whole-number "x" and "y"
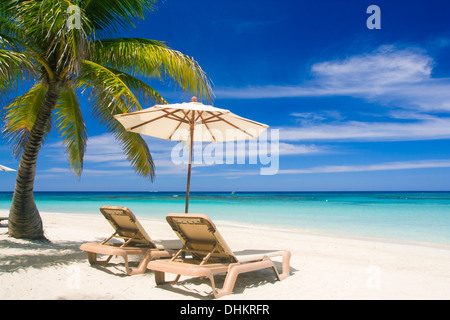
{"x": 109, "y": 16}
{"x": 20, "y": 116}
{"x": 109, "y": 95}
{"x": 135, "y": 149}
{"x": 12, "y": 60}
{"x": 70, "y": 125}
{"x": 38, "y": 43}
{"x": 142, "y": 91}
{"x": 115, "y": 92}
{"x": 15, "y": 67}
{"x": 152, "y": 58}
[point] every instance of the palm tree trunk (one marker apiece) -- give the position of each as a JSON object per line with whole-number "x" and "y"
{"x": 24, "y": 219}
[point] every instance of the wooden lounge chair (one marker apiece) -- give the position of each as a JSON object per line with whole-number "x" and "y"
{"x": 210, "y": 255}
{"x": 3, "y": 218}
{"x": 134, "y": 241}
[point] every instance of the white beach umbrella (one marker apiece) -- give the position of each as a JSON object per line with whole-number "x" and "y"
{"x": 3, "y": 168}
{"x": 191, "y": 122}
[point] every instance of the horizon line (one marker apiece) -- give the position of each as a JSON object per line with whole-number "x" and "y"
{"x": 231, "y": 191}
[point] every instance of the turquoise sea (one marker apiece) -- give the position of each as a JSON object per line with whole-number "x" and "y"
{"x": 404, "y": 216}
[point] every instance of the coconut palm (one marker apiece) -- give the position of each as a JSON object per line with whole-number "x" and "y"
{"x": 61, "y": 49}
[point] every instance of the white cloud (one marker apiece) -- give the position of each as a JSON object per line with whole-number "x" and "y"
{"x": 293, "y": 149}
{"x": 402, "y": 77}
{"x": 398, "y": 165}
{"x": 105, "y": 148}
{"x": 385, "y": 66}
{"x": 97, "y": 172}
{"x": 426, "y": 128}
{"x": 373, "y": 167}
{"x": 104, "y": 155}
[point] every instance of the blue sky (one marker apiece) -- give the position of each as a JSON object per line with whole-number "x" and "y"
{"x": 355, "y": 108}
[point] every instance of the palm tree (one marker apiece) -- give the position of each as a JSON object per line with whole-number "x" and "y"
{"x": 61, "y": 49}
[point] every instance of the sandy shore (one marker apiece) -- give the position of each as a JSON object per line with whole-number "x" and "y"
{"x": 322, "y": 267}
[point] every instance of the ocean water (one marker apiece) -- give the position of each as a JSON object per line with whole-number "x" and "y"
{"x": 405, "y": 216}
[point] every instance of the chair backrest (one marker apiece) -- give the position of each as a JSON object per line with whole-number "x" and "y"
{"x": 199, "y": 235}
{"x": 126, "y": 225}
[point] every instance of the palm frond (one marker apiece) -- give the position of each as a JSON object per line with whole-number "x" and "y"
{"x": 8, "y": 7}
{"x": 15, "y": 68}
{"x": 9, "y": 30}
{"x": 10, "y": 60}
{"x": 135, "y": 149}
{"x": 20, "y": 116}
{"x": 143, "y": 92}
{"x": 46, "y": 33}
{"x": 71, "y": 127}
{"x": 109, "y": 16}
{"x": 109, "y": 96}
{"x": 37, "y": 41}
{"x": 116, "y": 93}
{"x": 151, "y": 58}
{"x": 76, "y": 40}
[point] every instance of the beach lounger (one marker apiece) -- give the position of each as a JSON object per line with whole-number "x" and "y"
{"x": 210, "y": 255}
{"x": 134, "y": 240}
{"x": 3, "y": 218}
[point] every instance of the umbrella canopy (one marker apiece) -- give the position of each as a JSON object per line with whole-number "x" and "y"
{"x": 193, "y": 121}
{"x": 3, "y": 168}
{"x": 173, "y": 121}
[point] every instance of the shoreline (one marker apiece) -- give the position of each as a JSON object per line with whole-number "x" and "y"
{"x": 322, "y": 266}
{"x": 335, "y": 235}
{"x": 296, "y": 230}
{"x": 367, "y": 219}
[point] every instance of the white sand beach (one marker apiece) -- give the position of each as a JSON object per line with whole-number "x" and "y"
{"x": 322, "y": 266}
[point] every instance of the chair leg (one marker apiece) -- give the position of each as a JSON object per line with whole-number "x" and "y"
{"x": 286, "y": 268}
{"x": 236, "y": 269}
{"x": 92, "y": 257}
{"x": 142, "y": 265}
{"x": 127, "y": 268}
{"x": 149, "y": 256}
{"x": 159, "y": 277}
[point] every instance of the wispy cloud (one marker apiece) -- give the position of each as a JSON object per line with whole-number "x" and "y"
{"x": 104, "y": 155}
{"x": 384, "y": 67}
{"x": 389, "y": 74}
{"x": 372, "y": 167}
{"x": 385, "y": 166}
{"x": 97, "y": 172}
{"x": 423, "y": 127}
{"x": 399, "y": 79}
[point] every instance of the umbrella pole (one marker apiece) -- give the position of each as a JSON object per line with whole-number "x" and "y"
{"x": 189, "y": 168}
